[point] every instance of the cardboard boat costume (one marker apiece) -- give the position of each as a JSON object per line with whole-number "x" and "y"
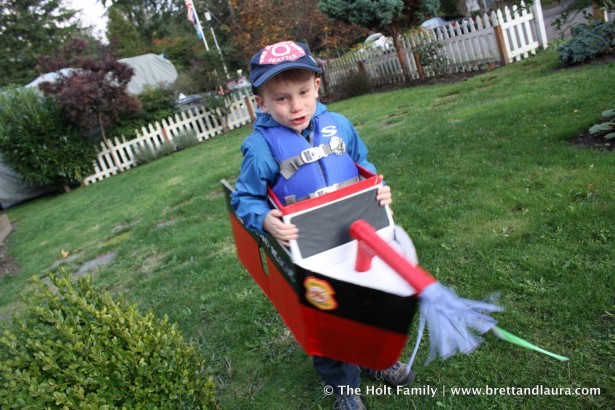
{"x": 313, "y": 285}
{"x": 349, "y": 287}
{"x": 331, "y": 309}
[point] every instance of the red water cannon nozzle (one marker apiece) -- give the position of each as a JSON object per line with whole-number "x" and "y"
{"x": 370, "y": 245}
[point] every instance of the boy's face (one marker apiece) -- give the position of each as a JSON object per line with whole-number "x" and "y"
{"x": 290, "y": 101}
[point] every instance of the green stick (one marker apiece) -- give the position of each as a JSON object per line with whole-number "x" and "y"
{"x": 509, "y": 337}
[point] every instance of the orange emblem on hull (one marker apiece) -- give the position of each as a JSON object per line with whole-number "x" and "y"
{"x": 319, "y": 293}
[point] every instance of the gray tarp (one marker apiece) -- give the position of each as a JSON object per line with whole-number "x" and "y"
{"x": 14, "y": 190}
{"x": 50, "y": 77}
{"x": 150, "y": 69}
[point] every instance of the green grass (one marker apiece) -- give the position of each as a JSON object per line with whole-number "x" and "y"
{"x": 485, "y": 182}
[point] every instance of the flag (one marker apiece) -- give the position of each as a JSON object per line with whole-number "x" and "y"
{"x": 199, "y": 32}
{"x": 194, "y": 19}
{"x": 190, "y": 11}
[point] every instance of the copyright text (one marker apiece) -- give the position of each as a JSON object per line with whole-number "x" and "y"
{"x": 433, "y": 391}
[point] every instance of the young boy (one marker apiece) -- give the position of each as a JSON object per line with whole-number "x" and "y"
{"x": 301, "y": 150}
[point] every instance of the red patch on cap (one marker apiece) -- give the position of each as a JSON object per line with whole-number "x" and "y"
{"x": 280, "y": 52}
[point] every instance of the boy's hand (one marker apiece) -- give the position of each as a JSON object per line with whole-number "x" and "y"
{"x": 384, "y": 196}
{"x": 278, "y": 229}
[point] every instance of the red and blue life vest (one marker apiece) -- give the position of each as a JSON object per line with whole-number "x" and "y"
{"x": 309, "y": 170}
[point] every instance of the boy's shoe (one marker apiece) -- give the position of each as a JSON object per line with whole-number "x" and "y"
{"x": 397, "y": 375}
{"x": 348, "y": 402}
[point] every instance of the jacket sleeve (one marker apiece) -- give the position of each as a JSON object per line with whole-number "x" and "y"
{"x": 258, "y": 169}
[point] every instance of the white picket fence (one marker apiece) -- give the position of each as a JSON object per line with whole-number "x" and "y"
{"x": 500, "y": 37}
{"x": 119, "y": 155}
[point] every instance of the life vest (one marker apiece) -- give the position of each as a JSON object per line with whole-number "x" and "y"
{"x": 307, "y": 171}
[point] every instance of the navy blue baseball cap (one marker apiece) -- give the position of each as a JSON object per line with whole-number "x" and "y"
{"x": 279, "y": 57}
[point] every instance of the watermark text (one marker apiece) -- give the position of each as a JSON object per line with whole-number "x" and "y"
{"x": 442, "y": 391}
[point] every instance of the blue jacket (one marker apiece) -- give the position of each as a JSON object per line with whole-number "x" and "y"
{"x": 259, "y": 168}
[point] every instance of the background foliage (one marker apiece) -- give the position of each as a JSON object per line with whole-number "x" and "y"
{"x": 242, "y": 27}
{"x": 391, "y": 17}
{"x": 36, "y": 142}
{"x": 263, "y": 22}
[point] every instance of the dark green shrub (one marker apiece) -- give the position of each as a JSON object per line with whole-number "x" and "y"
{"x": 588, "y": 42}
{"x": 157, "y": 103}
{"x": 37, "y": 143}
{"x": 74, "y": 347}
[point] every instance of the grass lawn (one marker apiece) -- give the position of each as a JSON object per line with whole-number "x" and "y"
{"x": 484, "y": 180}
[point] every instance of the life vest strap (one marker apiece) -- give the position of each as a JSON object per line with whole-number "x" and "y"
{"x": 289, "y": 166}
{"x": 291, "y": 199}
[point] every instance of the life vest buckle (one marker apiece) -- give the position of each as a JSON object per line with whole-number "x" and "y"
{"x": 313, "y": 154}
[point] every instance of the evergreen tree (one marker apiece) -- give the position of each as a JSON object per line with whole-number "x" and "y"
{"x": 27, "y": 29}
{"x": 152, "y": 19}
{"x": 123, "y": 34}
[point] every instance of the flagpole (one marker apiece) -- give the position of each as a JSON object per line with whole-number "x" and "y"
{"x": 198, "y": 22}
{"x": 213, "y": 33}
{"x": 195, "y": 15}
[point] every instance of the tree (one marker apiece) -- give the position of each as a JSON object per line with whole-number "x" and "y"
{"x": 152, "y": 19}
{"x": 123, "y": 34}
{"x": 387, "y": 16}
{"x": 262, "y": 22}
{"x": 162, "y": 27}
{"x": 27, "y": 29}
{"x": 94, "y": 94}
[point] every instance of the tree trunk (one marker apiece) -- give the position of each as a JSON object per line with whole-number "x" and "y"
{"x": 401, "y": 56}
{"x": 116, "y": 161}
{"x": 232, "y": 14}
